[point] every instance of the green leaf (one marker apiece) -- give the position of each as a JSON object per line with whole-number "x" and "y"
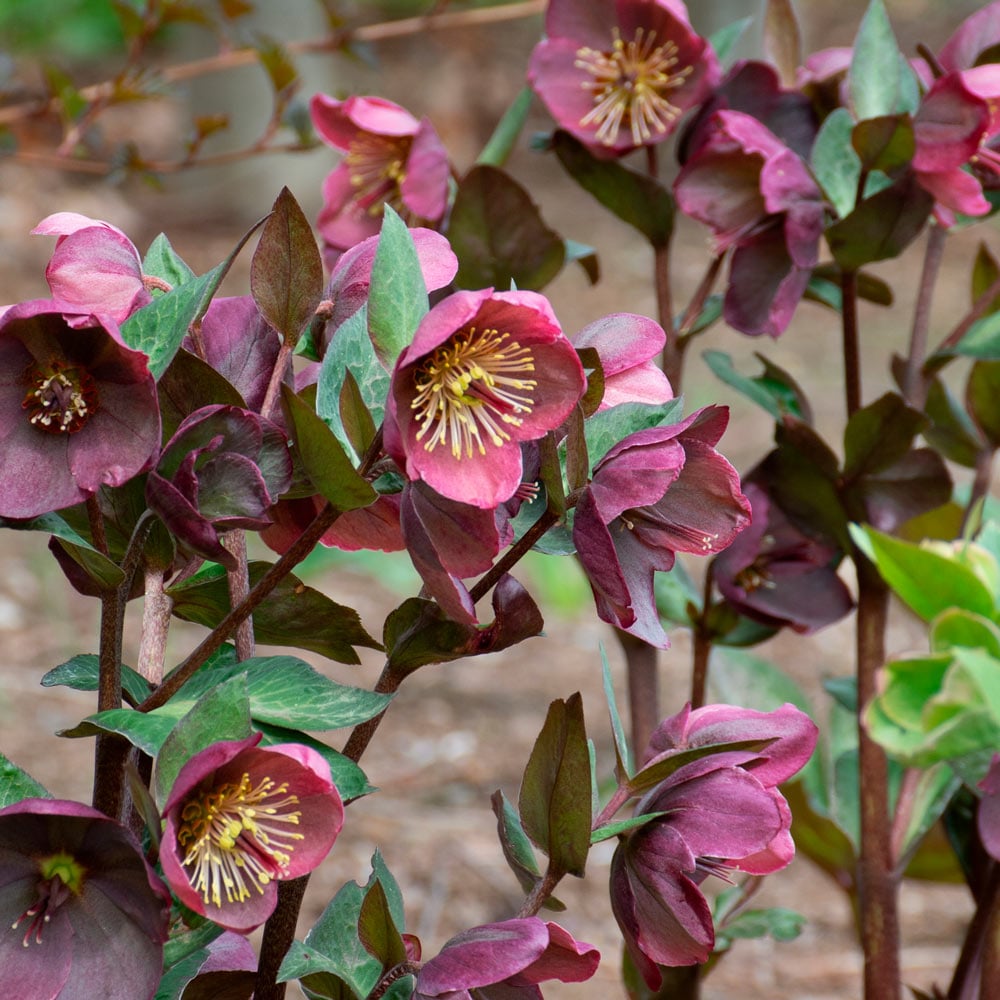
{"x": 776, "y": 922}
{"x": 885, "y": 143}
{"x": 926, "y": 580}
{"x": 985, "y": 271}
{"x": 397, "y": 297}
{"x": 623, "y": 754}
{"x": 377, "y": 931}
{"x": 650, "y": 777}
{"x": 639, "y": 200}
{"x": 775, "y": 391}
{"x": 501, "y": 143}
{"x": 161, "y": 261}
{"x": 835, "y": 163}
{"x": 622, "y": 826}
{"x": 499, "y": 236}
{"x": 738, "y": 677}
{"x": 555, "y": 800}
{"x": 957, "y": 627}
{"x": 16, "y": 784}
{"x": 875, "y": 76}
{"x": 879, "y": 435}
{"x": 82, "y": 673}
{"x": 293, "y": 614}
{"x": 222, "y": 713}
{"x": 725, "y": 39}
{"x": 609, "y": 427}
{"x": 418, "y": 632}
{"x": 951, "y": 432}
{"x": 982, "y": 340}
{"x": 934, "y": 790}
{"x": 286, "y": 273}
{"x": 982, "y": 399}
{"x": 325, "y": 461}
{"x": 189, "y": 384}
{"x": 146, "y": 730}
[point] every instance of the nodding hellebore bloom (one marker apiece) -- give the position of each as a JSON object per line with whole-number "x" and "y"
{"x": 505, "y": 961}
{"x": 389, "y": 158}
{"x": 486, "y": 371}
{"x": 618, "y": 74}
{"x": 720, "y": 812}
{"x": 758, "y": 198}
{"x": 81, "y": 912}
{"x": 660, "y": 491}
{"x": 78, "y": 409}
{"x": 241, "y": 816}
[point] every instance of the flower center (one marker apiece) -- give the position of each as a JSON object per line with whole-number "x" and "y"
{"x": 61, "y": 877}
{"x": 376, "y": 166}
{"x": 629, "y": 86}
{"x": 61, "y": 399}
{"x": 469, "y": 388}
{"x": 234, "y": 838}
{"x": 755, "y": 576}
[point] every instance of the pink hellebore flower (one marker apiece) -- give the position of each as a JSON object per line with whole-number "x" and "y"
{"x": 988, "y": 816}
{"x": 974, "y": 38}
{"x": 389, "y": 158}
{"x": 505, "y": 961}
{"x": 78, "y": 409}
{"x": 721, "y": 812}
{"x": 95, "y": 267}
{"x": 82, "y": 914}
{"x": 626, "y": 345}
{"x": 241, "y": 816}
{"x": 955, "y": 125}
{"x": 757, "y": 197}
{"x": 486, "y": 371}
{"x": 660, "y": 491}
{"x": 618, "y": 74}
{"x": 776, "y": 575}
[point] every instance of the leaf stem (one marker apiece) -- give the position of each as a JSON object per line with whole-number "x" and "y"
{"x": 913, "y": 387}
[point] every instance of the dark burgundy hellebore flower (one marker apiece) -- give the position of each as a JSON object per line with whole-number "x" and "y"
{"x": 240, "y": 817}
{"x": 618, "y": 74}
{"x": 777, "y": 575}
{"x": 721, "y": 812}
{"x": 223, "y": 469}
{"x": 758, "y": 198}
{"x": 389, "y": 158}
{"x": 505, "y": 961}
{"x": 660, "y": 491}
{"x": 82, "y": 914}
{"x": 78, "y": 409}
{"x": 988, "y": 816}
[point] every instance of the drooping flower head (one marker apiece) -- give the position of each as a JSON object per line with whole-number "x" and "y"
{"x": 389, "y": 158}
{"x": 241, "y": 816}
{"x": 757, "y": 197}
{"x": 486, "y": 371}
{"x": 95, "y": 268}
{"x": 618, "y": 74}
{"x": 78, "y": 409}
{"x": 505, "y": 961}
{"x": 721, "y": 812}
{"x": 777, "y": 575}
{"x": 660, "y": 491}
{"x": 78, "y": 905}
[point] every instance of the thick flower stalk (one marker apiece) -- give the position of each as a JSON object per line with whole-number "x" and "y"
{"x": 721, "y": 812}
{"x": 486, "y": 371}
{"x": 241, "y": 817}
{"x": 760, "y": 200}
{"x": 389, "y": 158}
{"x": 660, "y": 491}
{"x": 78, "y": 409}
{"x": 618, "y": 74}
{"x": 81, "y": 912}
{"x": 505, "y": 961}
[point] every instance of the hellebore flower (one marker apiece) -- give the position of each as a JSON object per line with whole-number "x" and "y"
{"x": 660, "y": 491}
{"x": 486, "y": 371}
{"x": 618, "y": 74}
{"x": 721, "y": 812}
{"x": 95, "y": 267}
{"x": 505, "y": 961}
{"x": 988, "y": 815}
{"x": 777, "y": 575}
{"x": 758, "y": 197}
{"x": 223, "y": 469}
{"x": 626, "y": 345}
{"x": 389, "y": 158}
{"x": 78, "y": 409}
{"x": 974, "y": 38}
{"x": 241, "y": 816}
{"x": 953, "y": 128}
{"x": 81, "y": 911}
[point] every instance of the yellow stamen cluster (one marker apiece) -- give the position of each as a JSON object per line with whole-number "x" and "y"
{"x": 60, "y": 401}
{"x": 376, "y": 166}
{"x": 233, "y": 838}
{"x": 629, "y": 86}
{"x": 468, "y": 389}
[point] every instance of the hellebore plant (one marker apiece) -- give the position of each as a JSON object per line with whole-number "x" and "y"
{"x": 83, "y": 913}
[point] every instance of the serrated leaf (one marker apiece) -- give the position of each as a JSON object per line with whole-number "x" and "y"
{"x": 16, "y": 784}
{"x": 82, "y": 673}
{"x": 397, "y": 296}
{"x": 555, "y": 800}
{"x": 286, "y": 273}
{"x": 498, "y": 234}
